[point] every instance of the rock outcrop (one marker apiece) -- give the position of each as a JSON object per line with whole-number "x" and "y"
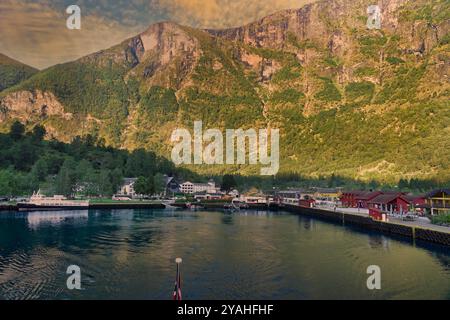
{"x": 31, "y": 106}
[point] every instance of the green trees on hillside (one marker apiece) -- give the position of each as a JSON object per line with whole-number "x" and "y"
{"x": 329, "y": 92}
{"x": 360, "y": 92}
{"x": 145, "y": 185}
{"x": 228, "y": 183}
{"x": 12, "y": 73}
{"x": 27, "y": 163}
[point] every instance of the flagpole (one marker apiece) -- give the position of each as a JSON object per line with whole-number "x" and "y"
{"x": 177, "y": 293}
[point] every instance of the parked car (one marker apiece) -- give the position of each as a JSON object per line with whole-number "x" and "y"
{"x": 409, "y": 217}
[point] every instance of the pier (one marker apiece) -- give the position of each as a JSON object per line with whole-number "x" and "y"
{"x": 412, "y": 230}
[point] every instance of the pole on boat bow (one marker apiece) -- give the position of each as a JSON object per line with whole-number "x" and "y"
{"x": 177, "y": 290}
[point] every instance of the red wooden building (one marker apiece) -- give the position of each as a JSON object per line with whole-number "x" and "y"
{"x": 391, "y": 202}
{"x": 358, "y": 199}
{"x": 417, "y": 202}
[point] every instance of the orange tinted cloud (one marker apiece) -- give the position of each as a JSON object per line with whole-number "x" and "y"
{"x": 36, "y": 34}
{"x": 224, "y": 13}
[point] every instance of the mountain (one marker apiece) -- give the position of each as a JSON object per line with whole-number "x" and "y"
{"x": 13, "y": 72}
{"x": 366, "y": 104}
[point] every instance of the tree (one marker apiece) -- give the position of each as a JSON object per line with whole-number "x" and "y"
{"x": 39, "y": 133}
{"x": 403, "y": 184}
{"x": 87, "y": 178}
{"x": 116, "y": 179}
{"x": 159, "y": 183}
{"x": 105, "y": 185}
{"x": 12, "y": 183}
{"x": 6, "y": 178}
{"x": 228, "y": 183}
{"x": 17, "y": 131}
{"x": 145, "y": 186}
{"x": 332, "y": 181}
{"x": 39, "y": 171}
{"x": 67, "y": 178}
{"x": 24, "y": 155}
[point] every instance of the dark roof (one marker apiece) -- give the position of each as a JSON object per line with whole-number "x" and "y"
{"x": 388, "y": 197}
{"x": 129, "y": 180}
{"x": 361, "y": 194}
{"x": 435, "y": 192}
{"x": 326, "y": 190}
{"x": 368, "y": 195}
{"x": 411, "y": 197}
{"x": 355, "y": 192}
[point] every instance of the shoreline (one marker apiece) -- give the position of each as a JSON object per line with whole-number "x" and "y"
{"x": 411, "y": 231}
{"x": 93, "y": 206}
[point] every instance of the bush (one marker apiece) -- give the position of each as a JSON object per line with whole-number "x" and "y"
{"x": 360, "y": 91}
{"x": 329, "y": 92}
{"x": 394, "y": 60}
{"x": 442, "y": 219}
{"x": 288, "y": 95}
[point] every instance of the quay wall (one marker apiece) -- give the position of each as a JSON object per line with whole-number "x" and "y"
{"x": 412, "y": 232}
{"x": 432, "y": 236}
{"x": 98, "y": 206}
{"x": 8, "y": 207}
{"x": 124, "y": 205}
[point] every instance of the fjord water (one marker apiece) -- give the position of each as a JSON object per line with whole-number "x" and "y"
{"x": 129, "y": 254}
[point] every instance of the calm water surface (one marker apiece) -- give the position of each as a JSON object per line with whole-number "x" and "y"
{"x": 129, "y": 254}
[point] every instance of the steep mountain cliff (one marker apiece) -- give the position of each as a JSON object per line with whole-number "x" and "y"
{"x": 12, "y": 72}
{"x": 368, "y": 104}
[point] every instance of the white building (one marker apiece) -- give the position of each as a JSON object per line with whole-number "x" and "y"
{"x": 191, "y": 187}
{"x": 127, "y": 187}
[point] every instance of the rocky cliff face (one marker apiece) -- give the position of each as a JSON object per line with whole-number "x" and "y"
{"x": 26, "y": 105}
{"x": 166, "y": 46}
{"x": 317, "y": 73}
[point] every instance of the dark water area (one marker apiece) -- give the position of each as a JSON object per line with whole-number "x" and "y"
{"x": 129, "y": 254}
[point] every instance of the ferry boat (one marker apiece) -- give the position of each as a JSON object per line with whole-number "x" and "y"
{"x": 39, "y": 202}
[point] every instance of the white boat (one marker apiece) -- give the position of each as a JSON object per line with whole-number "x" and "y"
{"x": 39, "y": 202}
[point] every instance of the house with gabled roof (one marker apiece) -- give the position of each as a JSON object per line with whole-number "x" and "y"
{"x": 392, "y": 202}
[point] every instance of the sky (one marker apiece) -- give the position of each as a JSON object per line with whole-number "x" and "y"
{"x": 34, "y": 31}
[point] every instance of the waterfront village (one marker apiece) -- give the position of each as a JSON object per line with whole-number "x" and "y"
{"x": 431, "y": 210}
{"x": 380, "y": 205}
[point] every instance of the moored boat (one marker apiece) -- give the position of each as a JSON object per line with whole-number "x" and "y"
{"x": 39, "y": 202}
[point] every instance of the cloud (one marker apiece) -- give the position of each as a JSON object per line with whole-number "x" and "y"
{"x": 36, "y": 34}
{"x": 223, "y": 13}
{"x": 34, "y": 31}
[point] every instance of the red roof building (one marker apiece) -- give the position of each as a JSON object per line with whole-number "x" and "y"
{"x": 417, "y": 202}
{"x": 358, "y": 199}
{"x": 390, "y": 202}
